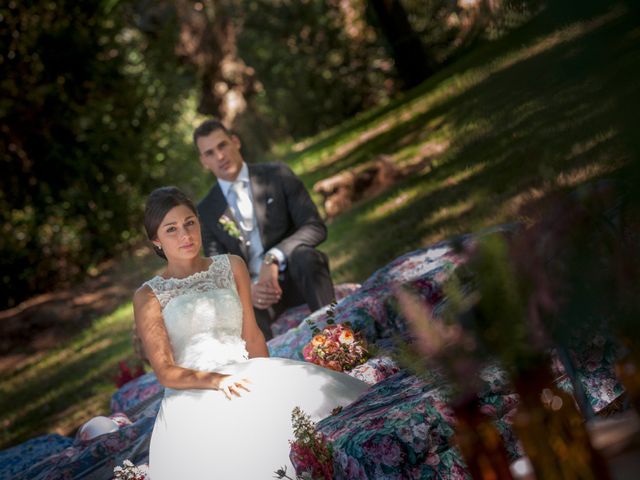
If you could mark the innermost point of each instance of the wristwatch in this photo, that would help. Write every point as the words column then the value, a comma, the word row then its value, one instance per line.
column 269, row 258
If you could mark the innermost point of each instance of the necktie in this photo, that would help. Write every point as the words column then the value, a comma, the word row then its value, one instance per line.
column 244, row 207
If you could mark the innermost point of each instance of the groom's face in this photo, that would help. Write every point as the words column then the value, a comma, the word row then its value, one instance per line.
column 220, row 153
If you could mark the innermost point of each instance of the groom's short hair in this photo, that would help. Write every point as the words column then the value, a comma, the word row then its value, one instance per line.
column 208, row 126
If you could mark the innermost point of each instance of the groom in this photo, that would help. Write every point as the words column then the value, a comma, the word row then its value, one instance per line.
column 263, row 213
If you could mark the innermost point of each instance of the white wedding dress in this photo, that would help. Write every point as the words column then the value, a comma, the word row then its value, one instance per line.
column 200, row 434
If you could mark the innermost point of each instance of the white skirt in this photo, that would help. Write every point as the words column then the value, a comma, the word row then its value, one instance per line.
column 200, row 434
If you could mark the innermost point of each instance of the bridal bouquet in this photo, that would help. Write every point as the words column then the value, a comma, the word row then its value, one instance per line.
column 336, row 346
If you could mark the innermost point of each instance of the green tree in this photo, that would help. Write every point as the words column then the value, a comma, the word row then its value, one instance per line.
column 318, row 62
column 86, row 114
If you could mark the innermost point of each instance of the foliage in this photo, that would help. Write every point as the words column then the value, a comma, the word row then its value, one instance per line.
column 448, row 28
column 556, row 282
column 93, row 91
column 580, row 264
column 319, row 62
column 440, row 344
column 498, row 315
column 87, row 117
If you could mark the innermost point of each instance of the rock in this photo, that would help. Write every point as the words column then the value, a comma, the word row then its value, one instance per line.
column 341, row 191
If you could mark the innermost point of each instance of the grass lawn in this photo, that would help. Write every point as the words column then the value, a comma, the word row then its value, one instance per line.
column 58, row 391
column 544, row 109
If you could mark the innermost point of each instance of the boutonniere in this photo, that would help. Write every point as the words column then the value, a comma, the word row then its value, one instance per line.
column 229, row 226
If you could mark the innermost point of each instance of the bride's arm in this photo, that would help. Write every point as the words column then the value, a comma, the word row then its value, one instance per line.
column 150, row 326
column 251, row 333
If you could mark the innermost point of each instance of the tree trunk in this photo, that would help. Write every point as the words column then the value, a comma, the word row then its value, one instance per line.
column 406, row 47
column 228, row 86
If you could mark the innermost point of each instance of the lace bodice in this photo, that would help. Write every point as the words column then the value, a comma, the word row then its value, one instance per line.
column 203, row 316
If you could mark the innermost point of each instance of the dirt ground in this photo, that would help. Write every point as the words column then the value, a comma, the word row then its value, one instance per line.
column 44, row 321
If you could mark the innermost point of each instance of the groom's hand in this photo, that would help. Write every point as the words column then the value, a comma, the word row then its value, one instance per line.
column 266, row 291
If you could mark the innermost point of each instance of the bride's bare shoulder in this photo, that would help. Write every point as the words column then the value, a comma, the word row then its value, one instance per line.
column 143, row 296
column 236, row 261
column 238, row 267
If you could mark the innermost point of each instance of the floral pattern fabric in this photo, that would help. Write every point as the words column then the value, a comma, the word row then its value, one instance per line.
column 133, row 393
column 97, row 458
column 375, row 370
column 15, row 460
column 592, row 356
column 372, row 310
column 294, row 316
column 401, row 428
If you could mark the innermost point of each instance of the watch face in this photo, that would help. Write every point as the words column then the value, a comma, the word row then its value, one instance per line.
column 269, row 258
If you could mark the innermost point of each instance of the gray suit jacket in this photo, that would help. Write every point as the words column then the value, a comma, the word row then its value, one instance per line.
column 286, row 215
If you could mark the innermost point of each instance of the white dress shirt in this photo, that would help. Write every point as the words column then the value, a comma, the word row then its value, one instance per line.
column 252, row 234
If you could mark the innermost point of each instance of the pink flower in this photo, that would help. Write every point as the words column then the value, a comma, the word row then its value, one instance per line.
column 125, row 375
column 308, row 353
column 333, row 365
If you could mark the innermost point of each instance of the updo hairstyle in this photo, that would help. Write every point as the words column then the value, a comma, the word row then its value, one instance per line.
column 159, row 203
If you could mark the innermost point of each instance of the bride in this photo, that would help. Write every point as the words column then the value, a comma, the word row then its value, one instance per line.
column 226, row 411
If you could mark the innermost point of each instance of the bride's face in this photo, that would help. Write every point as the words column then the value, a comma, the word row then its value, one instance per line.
column 179, row 233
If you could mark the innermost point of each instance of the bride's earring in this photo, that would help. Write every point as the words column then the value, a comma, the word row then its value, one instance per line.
column 158, row 246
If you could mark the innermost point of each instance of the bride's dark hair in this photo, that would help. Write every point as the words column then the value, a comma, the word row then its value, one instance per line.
column 159, row 202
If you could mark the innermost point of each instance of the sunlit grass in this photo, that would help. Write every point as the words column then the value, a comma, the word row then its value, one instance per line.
column 449, row 212
column 63, row 388
column 515, row 128
column 450, row 87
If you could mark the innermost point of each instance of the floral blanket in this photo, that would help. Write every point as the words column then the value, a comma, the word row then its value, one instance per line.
column 399, row 429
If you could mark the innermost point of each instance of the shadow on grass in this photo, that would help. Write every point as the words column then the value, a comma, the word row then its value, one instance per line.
column 547, row 122
column 44, row 322
column 332, row 145
column 37, row 401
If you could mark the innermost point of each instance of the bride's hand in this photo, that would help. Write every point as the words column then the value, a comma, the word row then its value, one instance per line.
column 232, row 384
